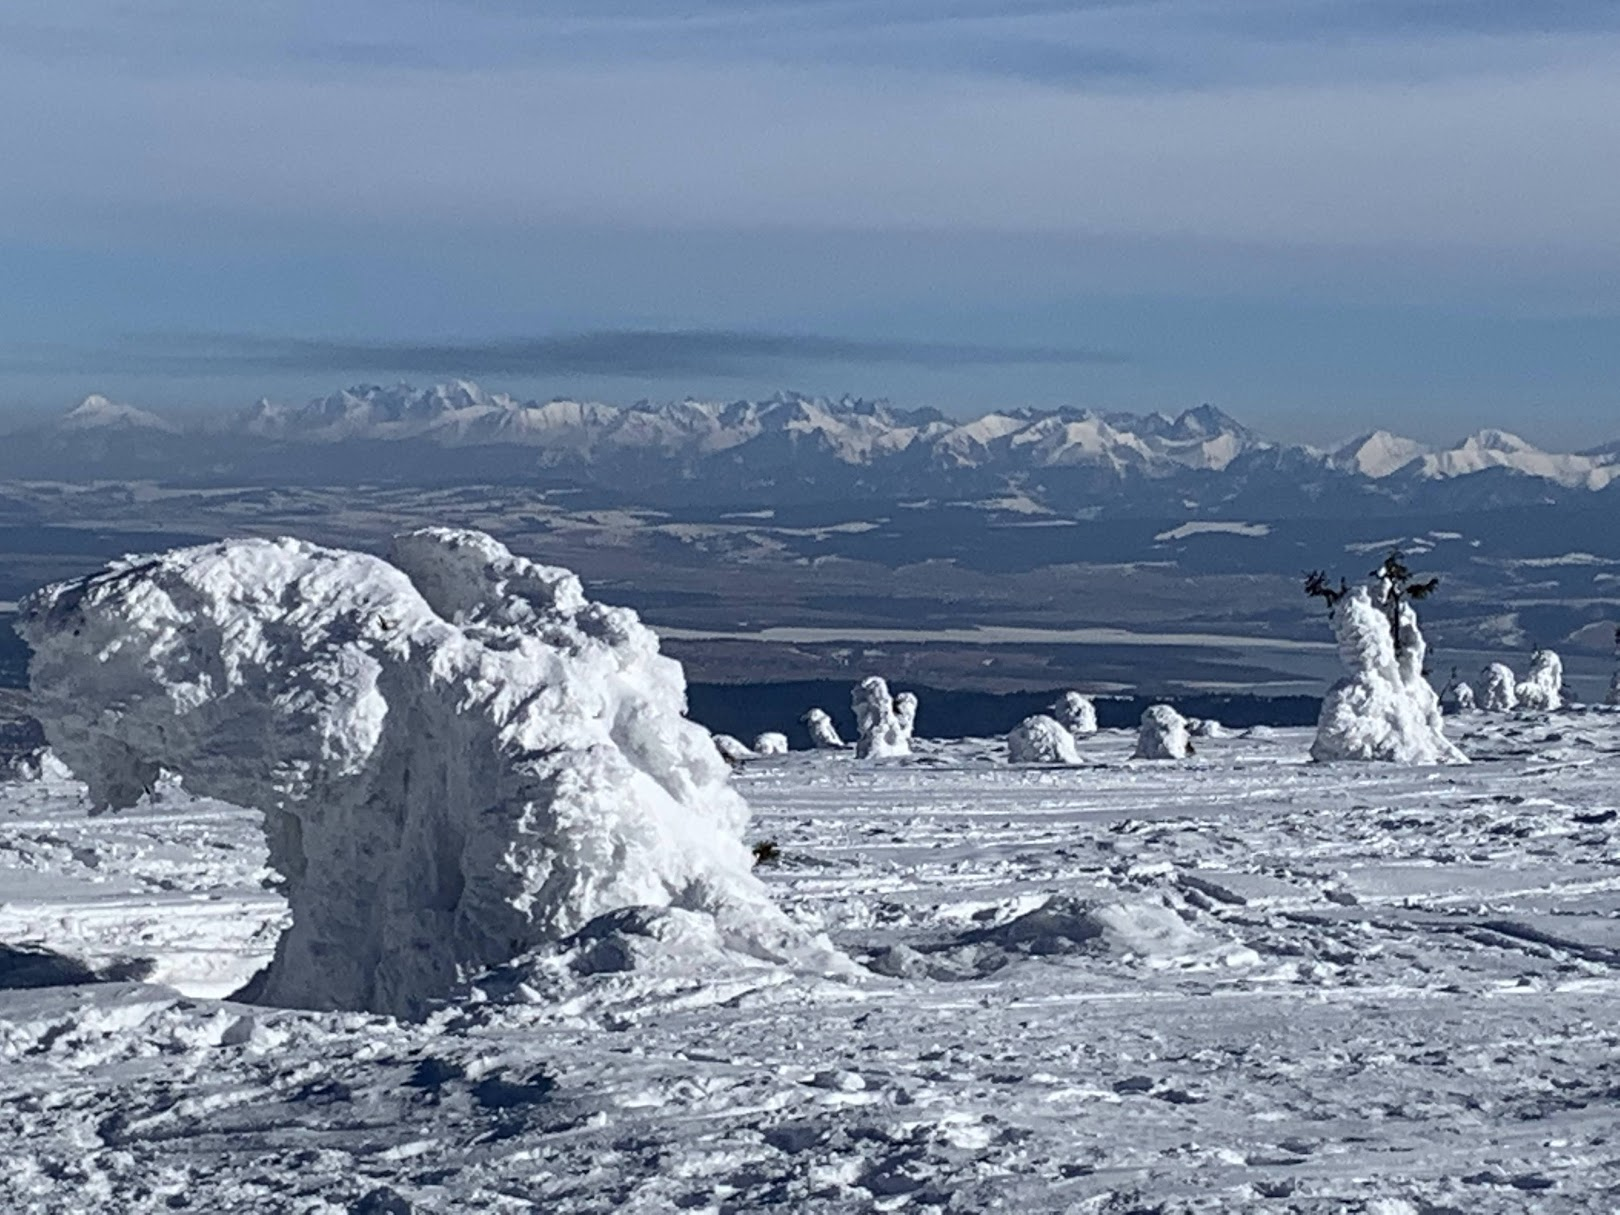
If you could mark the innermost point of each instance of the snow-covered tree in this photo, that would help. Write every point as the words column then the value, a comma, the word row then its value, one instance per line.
column 823, row 734
column 1457, row 696
column 1499, row 690
column 1075, row 713
column 459, row 759
column 905, row 712
column 1162, row 734
column 733, row 750
column 771, row 743
column 882, row 731
column 1542, row 690
column 1384, row 708
column 1041, row 740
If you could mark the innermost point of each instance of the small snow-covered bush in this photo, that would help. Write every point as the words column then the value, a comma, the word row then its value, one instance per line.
column 1384, row 709
column 823, row 734
column 1499, row 690
column 1457, row 697
column 459, row 758
column 1542, row 690
column 1041, row 740
column 771, row 743
column 1075, row 713
column 905, row 712
column 1162, row 734
column 883, row 733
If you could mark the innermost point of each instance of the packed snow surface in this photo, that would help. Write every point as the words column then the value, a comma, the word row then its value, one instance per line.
column 459, row 758
column 1162, row 734
column 1543, row 687
column 1384, row 709
column 1241, row 983
column 1041, row 740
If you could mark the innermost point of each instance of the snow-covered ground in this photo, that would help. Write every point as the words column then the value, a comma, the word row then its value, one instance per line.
column 1240, row 982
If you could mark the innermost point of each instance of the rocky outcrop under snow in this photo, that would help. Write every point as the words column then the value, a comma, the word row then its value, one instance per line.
column 1384, row 709
column 1162, row 734
column 884, row 731
column 459, row 758
column 1542, row 690
column 823, row 734
column 1041, row 740
column 1075, row 713
column 1499, row 690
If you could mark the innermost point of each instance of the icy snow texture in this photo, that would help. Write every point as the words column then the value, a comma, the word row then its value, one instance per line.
column 771, row 743
column 1075, row 713
column 1500, row 690
column 458, row 757
column 883, row 732
column 1041, row 740
column 1384, row 709
column 732, row 749
column 823, row 734
column 1542, row 689
column 1162, row 734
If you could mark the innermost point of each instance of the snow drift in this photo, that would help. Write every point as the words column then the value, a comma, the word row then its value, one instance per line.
column 1075, row 713
column 823, row 734
column 1162, row 734
column 1499, row 690
column 883, row 721
column 1384, row 709
column 1041, row 740
column 459, row 757
column 1543, row 687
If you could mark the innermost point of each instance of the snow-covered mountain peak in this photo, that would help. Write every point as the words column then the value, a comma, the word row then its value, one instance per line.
column 1378, row 454
column 97, row 412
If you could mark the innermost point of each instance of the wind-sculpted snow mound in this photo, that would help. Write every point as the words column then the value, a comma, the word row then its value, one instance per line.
column 771, row 743
column 459, row 758
column 1041, row 740
column 1075, row 712
column 1543, row 687
column 823, row 734
column 1384, row 709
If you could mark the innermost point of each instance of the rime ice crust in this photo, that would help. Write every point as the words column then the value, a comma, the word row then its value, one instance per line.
column 1499, row 692
column 1543, row 688
column 458, row 756
column 884, row 721
column 1075, row 713
column 1384, row 709
column 1041, row 740
column 1162, row 734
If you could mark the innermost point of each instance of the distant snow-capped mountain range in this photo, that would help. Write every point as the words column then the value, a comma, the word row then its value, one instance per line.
column 793, row 447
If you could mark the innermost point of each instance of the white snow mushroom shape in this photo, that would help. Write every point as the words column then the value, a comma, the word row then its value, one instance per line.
column 823, row 734
column 771, row 743
column 1075, row 713
column 1162, row 734
column 883, row 733
column 1384, row 709
column 1543, row 688
column 1041, row 740
column 1499, row 690
column 458, row 757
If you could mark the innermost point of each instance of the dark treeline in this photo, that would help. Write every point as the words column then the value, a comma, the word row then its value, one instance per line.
column 747, row 709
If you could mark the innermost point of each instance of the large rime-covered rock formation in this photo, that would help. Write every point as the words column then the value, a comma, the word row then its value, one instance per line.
column 1542, row 689
column 884, row 731
column 1075, row 713
column 1384, row 709
column 1499, row 691
column 1162, row 734
column 459, row 758
column 823, row 734
column 1041, row 740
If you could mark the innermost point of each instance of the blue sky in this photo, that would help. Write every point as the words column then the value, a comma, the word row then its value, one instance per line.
column 1321, row 215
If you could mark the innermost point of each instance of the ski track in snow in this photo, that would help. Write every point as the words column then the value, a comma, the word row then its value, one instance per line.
column 1397, row 992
